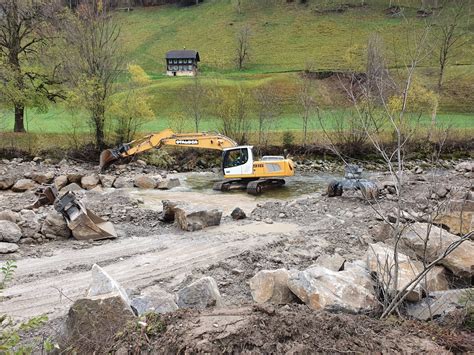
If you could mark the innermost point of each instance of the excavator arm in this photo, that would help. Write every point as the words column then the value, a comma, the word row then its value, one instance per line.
column 167, row 137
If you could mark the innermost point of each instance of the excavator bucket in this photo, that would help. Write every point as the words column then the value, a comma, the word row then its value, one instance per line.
column 107, row 157
column 82, row 222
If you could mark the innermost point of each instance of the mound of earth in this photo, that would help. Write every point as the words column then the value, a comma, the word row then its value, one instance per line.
column 295, row 329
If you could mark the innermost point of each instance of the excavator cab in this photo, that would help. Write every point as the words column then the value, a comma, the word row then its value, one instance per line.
column 237, row 161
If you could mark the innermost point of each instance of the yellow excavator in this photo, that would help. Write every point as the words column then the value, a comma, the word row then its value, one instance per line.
column 238, row 165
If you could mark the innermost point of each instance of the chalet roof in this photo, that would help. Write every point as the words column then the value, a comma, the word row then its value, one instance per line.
column 183, row 54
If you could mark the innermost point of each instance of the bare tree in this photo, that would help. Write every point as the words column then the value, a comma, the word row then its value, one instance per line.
column 306, row 100
column 378, row 80
column 268, row 109
column 450, row 35
column 242, row 50
column 93, row 62
column 24, row 35
column 194, row 101
column 238, row 6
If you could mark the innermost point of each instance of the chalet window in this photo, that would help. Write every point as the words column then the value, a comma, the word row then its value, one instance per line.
column 190, row 67
column 190, row 61
column 175, row 61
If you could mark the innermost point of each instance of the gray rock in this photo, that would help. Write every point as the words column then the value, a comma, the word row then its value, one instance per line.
column 71, row 187
column 9, row 232
column 200, row 294
column 107, row 181
column 465, row 166
column 41, row 178
column 9, row 216
column 154, row 300
column 55, row 224
column 268, row 221
column 442, row 192
column 438, row 304
column 6, row 248
column 167, row 184
column 29, row 223
column 144, row 182
column 6, row 182
column 103, row 284
column 23, row 185
column 90, row 181
column 320, row 288
column 333, row 262
column 238, row 213
column 123, row 182
column 271, row 286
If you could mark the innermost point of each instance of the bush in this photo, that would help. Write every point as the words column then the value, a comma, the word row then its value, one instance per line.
column 288, row 139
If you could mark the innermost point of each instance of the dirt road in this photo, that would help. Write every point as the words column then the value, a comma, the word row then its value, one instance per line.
column 48, row 285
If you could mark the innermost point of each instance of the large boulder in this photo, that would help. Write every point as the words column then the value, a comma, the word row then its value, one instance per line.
column 9, row 216
column 23, row 185
column 271, row 286
column 6, row 248
column 381, row 262
column 459, row 223
column 438, row 304
column 200, row 294
column 154, row 299
column 9, row 232
column 60, row 181
column 6, row 182
column 123, row 182
column 107, row 181
column 88, row 182
column 144, row 182
column 29, row 223
column 459, row 261
column 43, row 178
column 465, row 166
column 92, row 324
column 103, row 284
column 167, row 184
column 55, row 225
column 320, row 288
column 191, row 217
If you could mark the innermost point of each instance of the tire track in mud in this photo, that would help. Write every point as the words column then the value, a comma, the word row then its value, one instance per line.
column 49, row 285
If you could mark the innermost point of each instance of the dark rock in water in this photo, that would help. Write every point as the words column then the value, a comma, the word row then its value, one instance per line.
column 190, row 217
column 238, row 213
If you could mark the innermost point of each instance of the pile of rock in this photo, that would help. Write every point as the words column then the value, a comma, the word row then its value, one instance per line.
column 334, row 284
column 27, row 226
column 93, row 321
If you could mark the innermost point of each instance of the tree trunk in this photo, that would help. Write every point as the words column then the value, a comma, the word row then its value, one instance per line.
column 19, row 118
column 440, row 77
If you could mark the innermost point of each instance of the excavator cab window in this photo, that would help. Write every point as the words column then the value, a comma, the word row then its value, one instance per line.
column 235, row 157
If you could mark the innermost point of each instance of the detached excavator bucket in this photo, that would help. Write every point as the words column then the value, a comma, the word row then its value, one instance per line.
column 82, row 222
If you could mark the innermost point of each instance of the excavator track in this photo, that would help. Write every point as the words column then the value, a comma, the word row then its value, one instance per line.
column 257, row 187
column 227, row 185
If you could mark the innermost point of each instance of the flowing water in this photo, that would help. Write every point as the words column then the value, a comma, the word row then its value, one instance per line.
column 196, row 188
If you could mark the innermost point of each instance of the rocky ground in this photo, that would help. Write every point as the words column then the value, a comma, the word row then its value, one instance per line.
column 233, row 265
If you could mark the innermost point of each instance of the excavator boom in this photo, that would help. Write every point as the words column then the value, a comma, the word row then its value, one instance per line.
column 203, row 140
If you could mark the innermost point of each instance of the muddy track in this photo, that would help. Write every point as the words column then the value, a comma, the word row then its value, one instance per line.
column 49, row 285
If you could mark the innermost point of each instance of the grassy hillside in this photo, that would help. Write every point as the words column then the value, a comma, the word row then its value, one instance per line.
column 285, row 36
